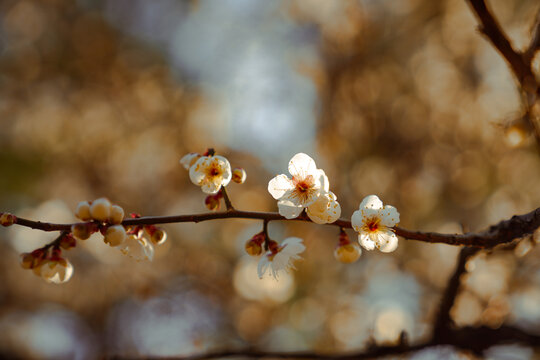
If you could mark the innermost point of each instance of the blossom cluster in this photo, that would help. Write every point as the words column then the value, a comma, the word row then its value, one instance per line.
column 48, row 263
column 308, row 190
column 107, row 218
column 305, row 194
column 99, row 216
column 212, row 173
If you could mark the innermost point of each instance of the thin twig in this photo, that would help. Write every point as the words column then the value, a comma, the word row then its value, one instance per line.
column 227, row 200
column 503, row 232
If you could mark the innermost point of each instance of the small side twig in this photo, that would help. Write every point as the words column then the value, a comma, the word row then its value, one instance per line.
column 227, row 200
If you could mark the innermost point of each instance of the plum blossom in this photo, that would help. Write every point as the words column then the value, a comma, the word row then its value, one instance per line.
column 303, row 189
column 374, row 223
column 325, row 210
column 137, row 247
column 56, row 270
column 211, row 173
column 281, row 257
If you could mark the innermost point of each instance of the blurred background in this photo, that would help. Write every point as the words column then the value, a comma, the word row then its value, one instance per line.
column 403, row 99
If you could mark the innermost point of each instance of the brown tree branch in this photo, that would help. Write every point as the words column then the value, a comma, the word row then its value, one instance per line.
column 443, row 321
column 492, row 30
column 534, row 45
column 501, row 233
column 520, row 63
column 469, row 338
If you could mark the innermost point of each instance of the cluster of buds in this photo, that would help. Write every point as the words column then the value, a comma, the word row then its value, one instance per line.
column 212, row 173
column 7, row 219
column 48, row 263
column 101, row 215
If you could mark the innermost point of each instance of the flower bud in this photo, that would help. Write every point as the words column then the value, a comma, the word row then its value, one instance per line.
column 117, row 215
column 254, row 245
column 68, row 242
column 213, row 202
column 7, row 219
column 81, row 231
column 239, row 175
column 27, row 261
column 253, row 249
column 347, row 253
column 56, row 271
column 83, row 211
column 100, row 209
column 115, row 235
column 158, row 237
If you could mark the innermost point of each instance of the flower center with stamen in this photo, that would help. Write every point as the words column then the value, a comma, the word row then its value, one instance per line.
column 303, row 185
column 372, row 224
column 214, row 171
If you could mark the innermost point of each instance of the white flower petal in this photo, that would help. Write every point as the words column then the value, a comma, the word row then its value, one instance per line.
column 357, row 220
column 197, row 172
column 225, row 167
column 389, row 216
column 57, row 272
column 138, row 248
column 278, row 186
column 301, row 165
column 289, row 210
column 391, row 242
column 293, row 246
column 371, row 202
column 365, row 241
column 325, row 210
column 263, row 265
column 210, row 187
column 325, row 184
column 188, row 159
column 370, row 213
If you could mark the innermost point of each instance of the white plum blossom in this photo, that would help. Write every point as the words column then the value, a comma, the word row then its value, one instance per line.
column 211, row 173
column 374, row 223
column 56, row 271
column 325, row 210
column 281, row 258
column 303, row 189
column 137, row 247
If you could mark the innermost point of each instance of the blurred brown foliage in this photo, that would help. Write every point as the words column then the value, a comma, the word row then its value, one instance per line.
column 413, row 105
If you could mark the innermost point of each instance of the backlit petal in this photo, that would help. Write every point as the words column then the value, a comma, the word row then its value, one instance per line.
column 288, row 209
column 301, row 165
column 365, row 241
column 389, row 216
column 390, row 242
column 371, row 202
column 279, row 185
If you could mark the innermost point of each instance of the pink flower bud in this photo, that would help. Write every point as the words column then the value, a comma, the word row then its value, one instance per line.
column 7, row 219
column 239, row 175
